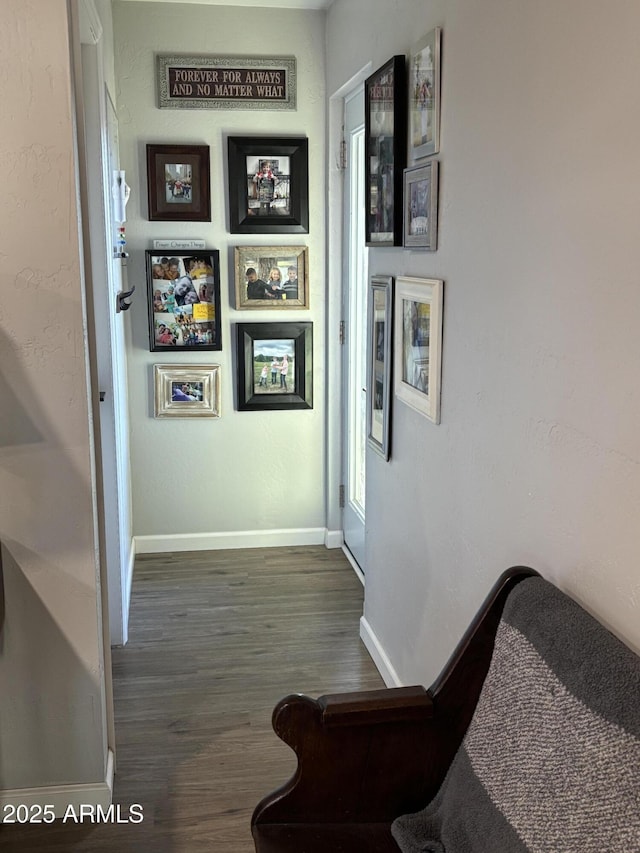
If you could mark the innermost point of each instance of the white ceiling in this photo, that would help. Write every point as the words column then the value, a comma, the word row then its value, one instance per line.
column 263, row 4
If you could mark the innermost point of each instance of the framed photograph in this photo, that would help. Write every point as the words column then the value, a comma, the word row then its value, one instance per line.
column 187, row 392
column 274, row 277
column 183, row 296
column 379, row 327
column 424, row 96
column 275, row 366
column 418, row 344
column 226, row 82
column 268, row 185
column 385, row 152
column 421, row 206
column 178, row 183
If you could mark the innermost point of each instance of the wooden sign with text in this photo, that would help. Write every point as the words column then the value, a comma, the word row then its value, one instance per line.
column 226, row 82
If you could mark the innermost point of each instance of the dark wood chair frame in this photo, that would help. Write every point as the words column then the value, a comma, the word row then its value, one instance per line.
column 366, row 757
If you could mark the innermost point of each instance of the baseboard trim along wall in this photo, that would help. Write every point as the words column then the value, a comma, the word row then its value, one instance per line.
column 333, row 538
column 60, row 797
column 356, row 568
column 378, row 655
column 232, row 539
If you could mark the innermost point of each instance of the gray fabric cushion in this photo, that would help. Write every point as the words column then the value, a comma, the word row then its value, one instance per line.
column 551, row 760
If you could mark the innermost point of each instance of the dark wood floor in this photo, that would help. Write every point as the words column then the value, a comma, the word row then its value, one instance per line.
column 216, row 638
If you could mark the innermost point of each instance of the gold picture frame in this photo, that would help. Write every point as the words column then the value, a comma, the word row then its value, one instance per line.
column 271, row 277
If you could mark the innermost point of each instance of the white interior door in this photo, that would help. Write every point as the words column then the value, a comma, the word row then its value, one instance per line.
column 355, row 337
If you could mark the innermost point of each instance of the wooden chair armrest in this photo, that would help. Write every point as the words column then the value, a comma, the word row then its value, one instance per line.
column 365, row 758
column 374, row 707
column 362, row 757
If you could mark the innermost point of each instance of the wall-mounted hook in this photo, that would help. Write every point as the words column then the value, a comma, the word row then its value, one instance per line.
column 123, row 299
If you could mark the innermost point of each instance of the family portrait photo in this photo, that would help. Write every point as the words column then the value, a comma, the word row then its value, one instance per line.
column 178, row 177
column 273, row 366
column 271, row 277
column 184, row 300
column 178, row 183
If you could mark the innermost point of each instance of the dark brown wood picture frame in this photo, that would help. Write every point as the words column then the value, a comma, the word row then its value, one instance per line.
column 385, row 152
column 268, row 184
column 178, row 183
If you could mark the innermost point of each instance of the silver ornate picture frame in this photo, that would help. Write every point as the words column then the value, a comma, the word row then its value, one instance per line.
column 226, row 82
column 421, row 207
column 379, row 363
column 192, row 391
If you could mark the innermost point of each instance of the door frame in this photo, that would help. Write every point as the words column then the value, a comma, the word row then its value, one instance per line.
column 335, row 224
column 354, row 311
column 83, row 73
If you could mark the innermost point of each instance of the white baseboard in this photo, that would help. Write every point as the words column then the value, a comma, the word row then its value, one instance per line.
column 333, row 538
column 356, row 568
column 63, row 796
column 378, row 655
column 233, row 539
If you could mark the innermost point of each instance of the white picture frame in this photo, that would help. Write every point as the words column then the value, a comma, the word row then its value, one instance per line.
column 418, row 344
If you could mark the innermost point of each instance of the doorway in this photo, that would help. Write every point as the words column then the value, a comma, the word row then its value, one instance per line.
column 354, row 310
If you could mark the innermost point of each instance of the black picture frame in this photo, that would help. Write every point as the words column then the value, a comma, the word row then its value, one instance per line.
column 379, row 363
column 385, row 152
column 183, row 300
column 268, row 184
column 259, row 346
column 178, row 183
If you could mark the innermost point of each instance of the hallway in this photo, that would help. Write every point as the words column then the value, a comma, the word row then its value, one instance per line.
column 217, row 637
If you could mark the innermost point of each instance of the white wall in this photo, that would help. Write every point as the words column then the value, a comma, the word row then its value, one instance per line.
column 537, row 458
column 248, row 471
column 105, row 12
column 52, row 705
